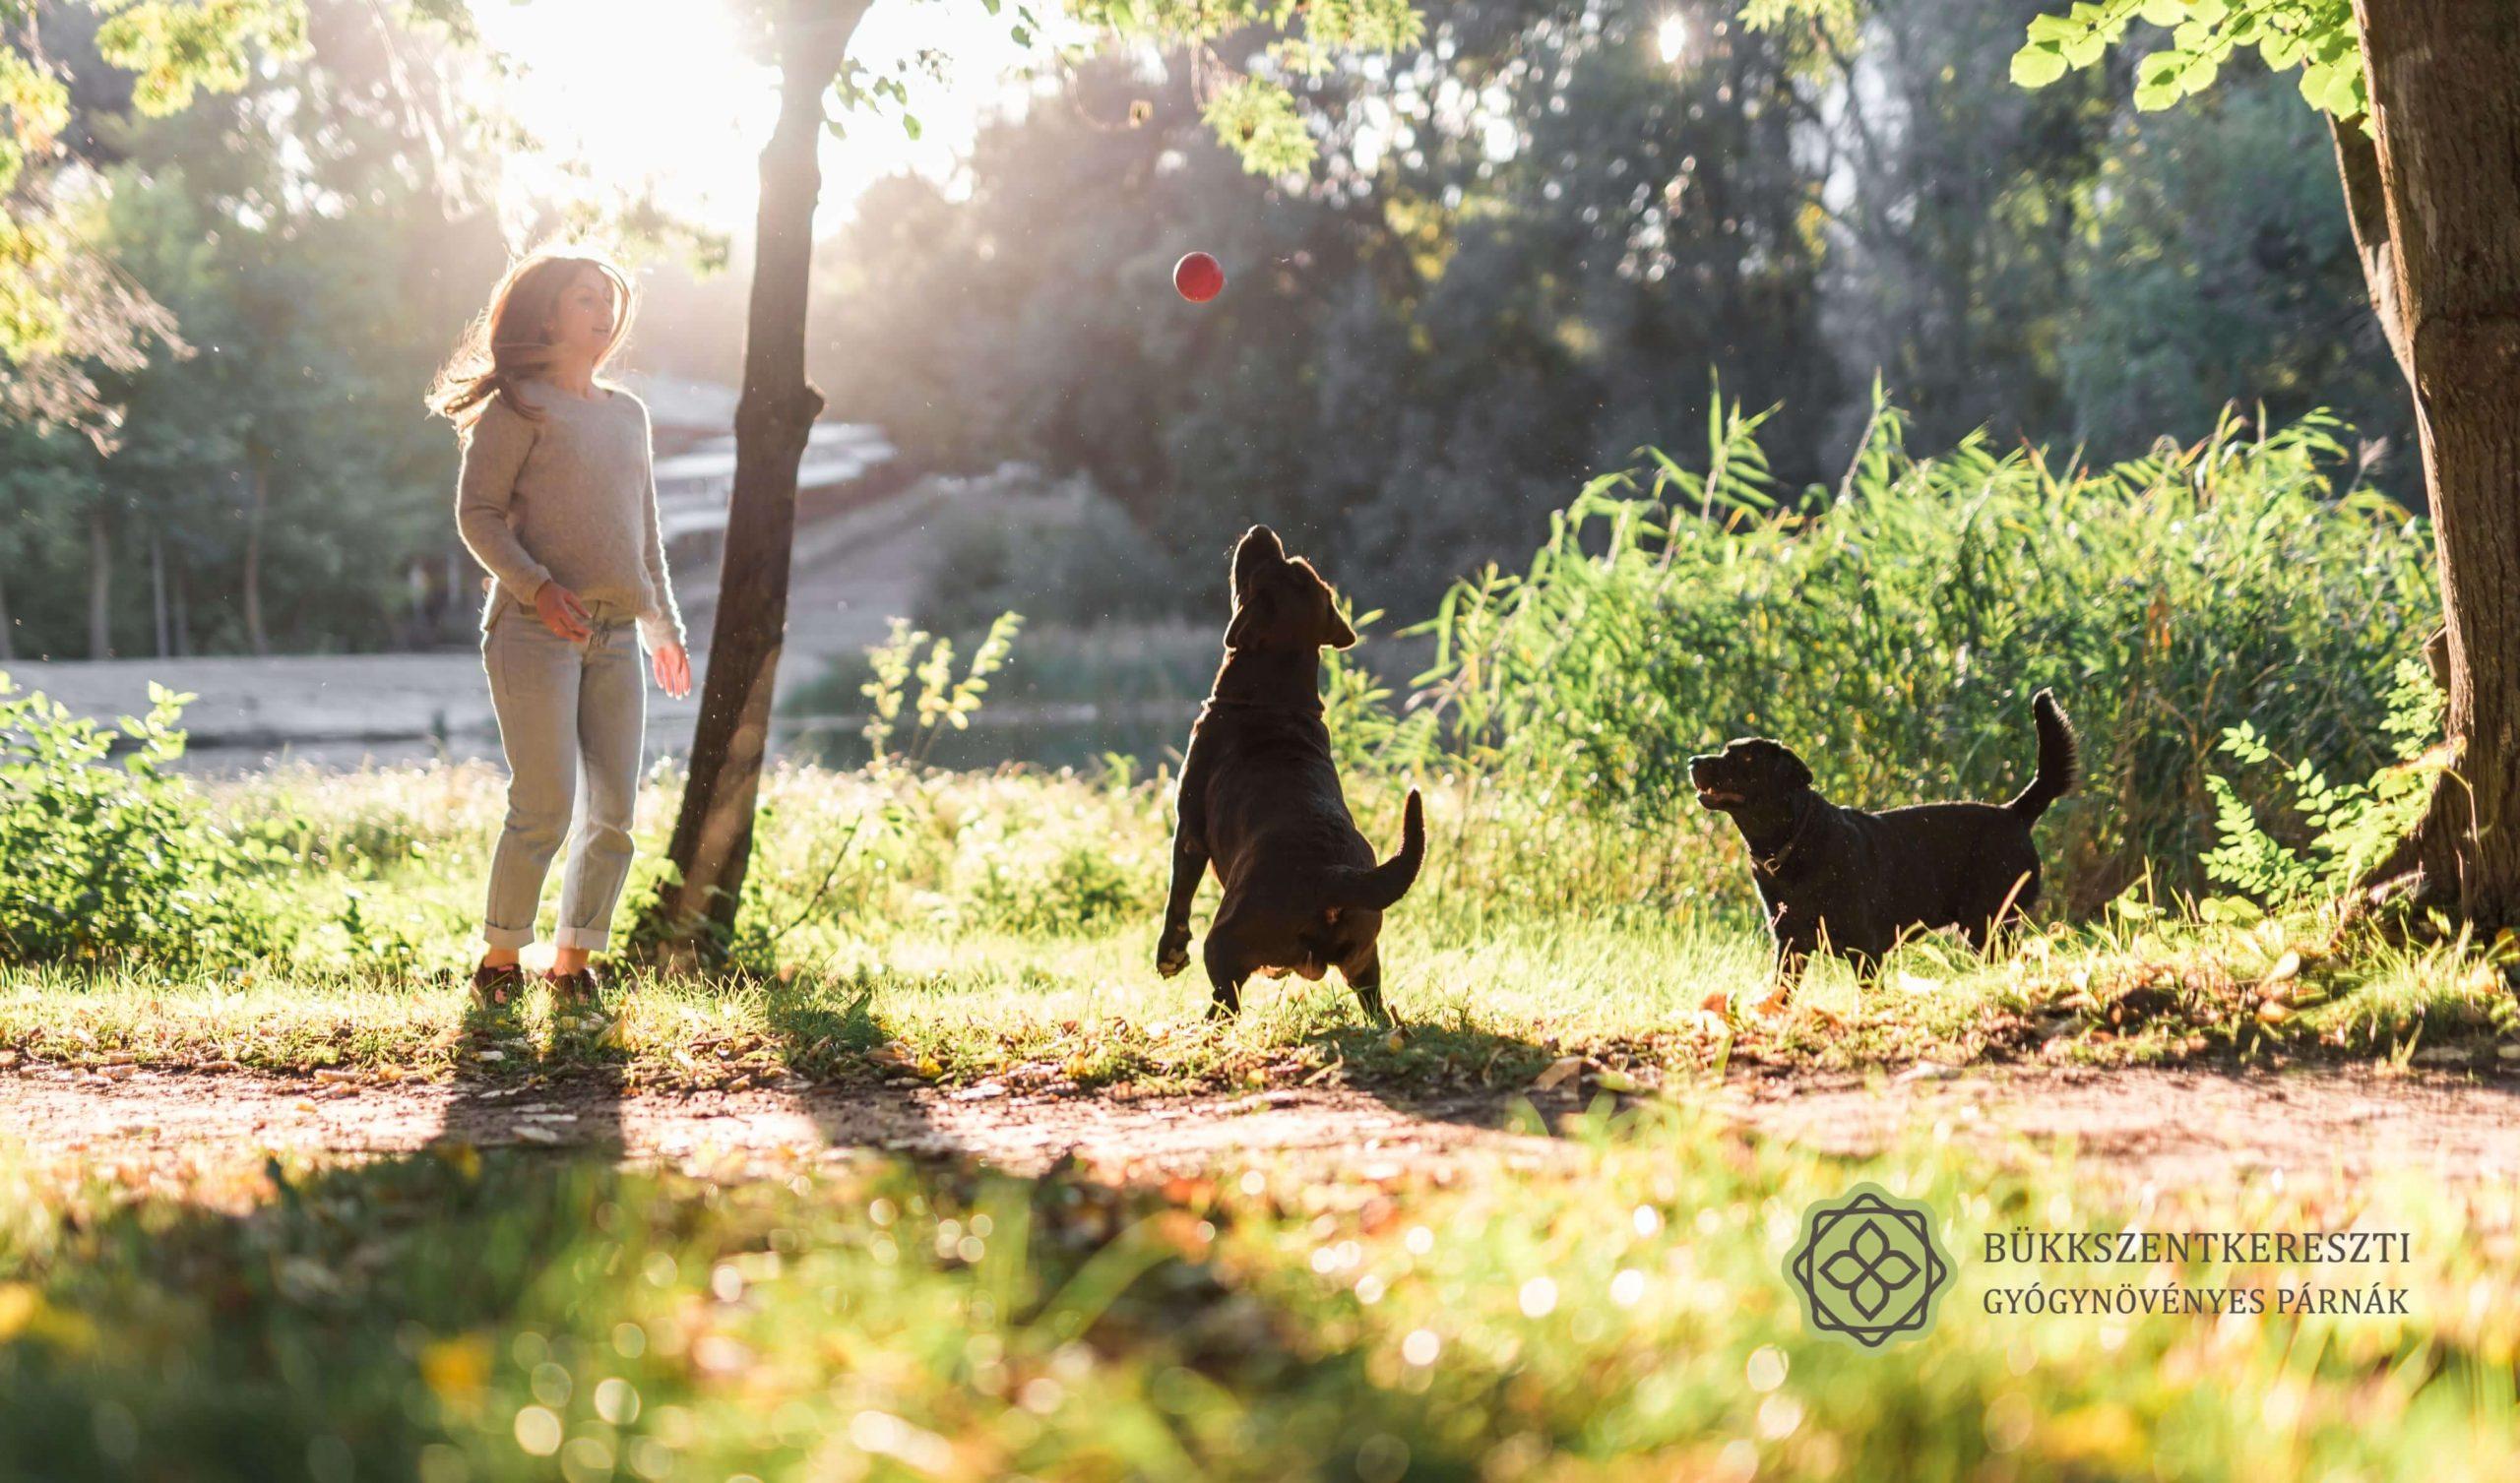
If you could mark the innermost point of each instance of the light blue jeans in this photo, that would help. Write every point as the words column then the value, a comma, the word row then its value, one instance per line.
column 573, row 716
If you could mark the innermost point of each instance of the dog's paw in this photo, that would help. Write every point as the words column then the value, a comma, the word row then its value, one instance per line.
column 1171, row 955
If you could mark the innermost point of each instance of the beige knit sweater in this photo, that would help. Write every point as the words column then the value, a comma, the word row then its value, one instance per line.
column 570, row 499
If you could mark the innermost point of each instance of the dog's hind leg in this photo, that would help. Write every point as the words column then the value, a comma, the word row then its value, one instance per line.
column 1225, row 975
column 2010, row 916
column 1363, row 973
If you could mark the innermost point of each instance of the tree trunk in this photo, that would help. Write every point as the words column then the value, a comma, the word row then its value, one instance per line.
column 157, row 591
column 2445, row 115
column 8, row 649
column 712, row 835
column 100, row 579
column 260, row 475
column 183, row 611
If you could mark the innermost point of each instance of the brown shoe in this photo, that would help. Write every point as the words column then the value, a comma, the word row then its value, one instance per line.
column 577, row 989
column 495, row 986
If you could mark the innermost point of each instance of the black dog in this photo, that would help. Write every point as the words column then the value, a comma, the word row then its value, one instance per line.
column 1844, row 881
column 1259, row 796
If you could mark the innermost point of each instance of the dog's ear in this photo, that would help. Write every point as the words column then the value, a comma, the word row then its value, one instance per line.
column 1332, row 631
column 1250, row 617
column 1792, row 771
column 1339, row 634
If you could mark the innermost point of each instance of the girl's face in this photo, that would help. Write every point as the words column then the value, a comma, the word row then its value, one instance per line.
column 583, row 320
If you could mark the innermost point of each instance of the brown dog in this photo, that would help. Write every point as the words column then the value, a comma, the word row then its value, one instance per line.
column 1844, row 881
column 1260, row 797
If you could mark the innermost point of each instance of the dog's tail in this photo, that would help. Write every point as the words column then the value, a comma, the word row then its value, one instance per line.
column 2059, row 760
column 1377, row 888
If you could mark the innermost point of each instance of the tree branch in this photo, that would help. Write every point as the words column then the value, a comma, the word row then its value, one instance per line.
column 2358, row 165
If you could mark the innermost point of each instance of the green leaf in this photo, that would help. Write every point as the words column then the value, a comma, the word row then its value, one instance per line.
column 2163, row 12
column 2037, row 65
column 2343, row 96
column 910, row 125
column 2161, row 69
column 2054, row 29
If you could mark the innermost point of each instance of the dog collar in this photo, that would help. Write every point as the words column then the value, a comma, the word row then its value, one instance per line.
column 1216, row 703
column 1771, row 864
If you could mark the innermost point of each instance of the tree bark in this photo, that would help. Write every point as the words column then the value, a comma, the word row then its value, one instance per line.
column 100, row 578
column 2445, row 113
column 711, row 847
column 260, row 474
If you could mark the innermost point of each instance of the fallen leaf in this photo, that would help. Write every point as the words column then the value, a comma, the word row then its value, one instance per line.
column 1557, row 1072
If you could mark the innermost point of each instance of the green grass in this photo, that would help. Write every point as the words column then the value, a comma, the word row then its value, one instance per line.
column 962, row 926
column 482, row 1314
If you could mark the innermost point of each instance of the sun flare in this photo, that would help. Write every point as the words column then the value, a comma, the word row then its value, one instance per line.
column 1672, row 37
column 660, row 96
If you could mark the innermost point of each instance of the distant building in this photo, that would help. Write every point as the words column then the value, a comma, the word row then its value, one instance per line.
column 847, row 465
column 693, row 424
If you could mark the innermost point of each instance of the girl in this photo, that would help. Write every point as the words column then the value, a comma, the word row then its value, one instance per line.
column 557, row 500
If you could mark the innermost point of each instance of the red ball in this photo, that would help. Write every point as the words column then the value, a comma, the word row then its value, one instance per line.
column 1197, row 277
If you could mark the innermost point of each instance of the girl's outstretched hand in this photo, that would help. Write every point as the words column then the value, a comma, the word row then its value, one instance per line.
column 674, row 671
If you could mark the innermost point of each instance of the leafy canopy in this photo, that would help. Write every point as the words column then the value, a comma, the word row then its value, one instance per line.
column 2315, row 36
column 60, row 314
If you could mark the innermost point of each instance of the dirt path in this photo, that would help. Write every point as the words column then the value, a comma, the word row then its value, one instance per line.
column 2171, row 1128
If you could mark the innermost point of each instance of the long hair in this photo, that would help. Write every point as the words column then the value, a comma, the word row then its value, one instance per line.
column 505, row 346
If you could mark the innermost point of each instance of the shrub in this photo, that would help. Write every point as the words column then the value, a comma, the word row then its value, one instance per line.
column 1893, row 630
column 2331, row 833
column 104, row 860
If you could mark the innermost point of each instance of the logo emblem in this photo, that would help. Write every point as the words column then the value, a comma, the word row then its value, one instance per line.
column 1869, row 1268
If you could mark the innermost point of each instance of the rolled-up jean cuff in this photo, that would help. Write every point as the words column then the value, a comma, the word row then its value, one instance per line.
column 508, row 936
column 592, row 939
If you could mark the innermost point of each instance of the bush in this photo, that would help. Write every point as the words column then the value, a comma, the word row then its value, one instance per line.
column 1062, row 553
column 2328, row 833
column 106, row 861
column 1893, row 630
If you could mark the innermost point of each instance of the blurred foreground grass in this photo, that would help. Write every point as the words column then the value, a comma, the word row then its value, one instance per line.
column 471, row 1314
